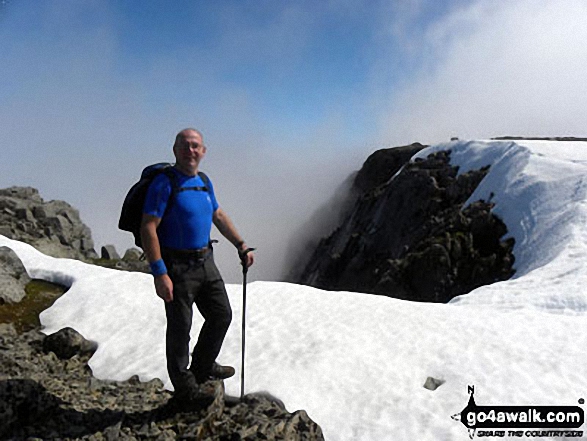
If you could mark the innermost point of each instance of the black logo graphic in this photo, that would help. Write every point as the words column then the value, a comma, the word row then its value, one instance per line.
column 513, row 418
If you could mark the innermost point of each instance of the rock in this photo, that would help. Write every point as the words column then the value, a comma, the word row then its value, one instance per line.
column 24, row 401
column 109, row 252
column 44, row 397
column 432, row 383
column 67, row 342
column 7, row 330
column 53, row 227
column 132, row 255
column 408, row 236
column 13, row 277
column 383, row 164
column 21, row 193
column 133, row 260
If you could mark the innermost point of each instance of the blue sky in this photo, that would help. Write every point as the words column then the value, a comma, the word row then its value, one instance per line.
column 292, row 96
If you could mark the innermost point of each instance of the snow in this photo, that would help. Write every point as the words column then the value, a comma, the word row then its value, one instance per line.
column 357, row 363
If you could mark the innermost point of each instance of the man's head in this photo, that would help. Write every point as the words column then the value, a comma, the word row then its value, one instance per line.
column 189, row 149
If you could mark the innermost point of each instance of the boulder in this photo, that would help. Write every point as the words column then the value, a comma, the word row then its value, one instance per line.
column 13, row 277
column 132, row 255
column 109, row 252
column 67, row 342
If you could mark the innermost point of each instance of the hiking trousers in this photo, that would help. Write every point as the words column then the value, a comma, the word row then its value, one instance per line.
column 195, row 280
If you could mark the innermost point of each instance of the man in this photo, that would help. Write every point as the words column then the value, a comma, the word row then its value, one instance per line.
column 178, row 249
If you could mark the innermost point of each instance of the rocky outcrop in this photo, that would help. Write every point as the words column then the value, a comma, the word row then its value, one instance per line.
column 409, row 237
column 53, row 227
column 45, row 397
column 383, row 164
column 13, row 277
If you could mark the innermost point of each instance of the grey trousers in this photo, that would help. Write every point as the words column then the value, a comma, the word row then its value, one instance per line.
column 194, row 281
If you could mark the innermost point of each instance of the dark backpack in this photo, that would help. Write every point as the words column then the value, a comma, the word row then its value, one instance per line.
column 132, row 207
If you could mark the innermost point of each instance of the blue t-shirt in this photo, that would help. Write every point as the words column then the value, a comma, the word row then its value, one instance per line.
column 187, row 223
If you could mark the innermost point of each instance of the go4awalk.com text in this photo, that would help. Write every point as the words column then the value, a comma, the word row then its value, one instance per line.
column 521, row 421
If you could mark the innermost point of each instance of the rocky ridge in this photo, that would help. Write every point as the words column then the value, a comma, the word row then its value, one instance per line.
column 43, row 396
column 408, row 236
column 53, row 227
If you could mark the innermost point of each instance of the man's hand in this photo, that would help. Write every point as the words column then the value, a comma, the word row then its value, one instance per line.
column 164, row 287
column 247, row 258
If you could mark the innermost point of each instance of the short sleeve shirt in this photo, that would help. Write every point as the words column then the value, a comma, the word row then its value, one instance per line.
column 188, row 221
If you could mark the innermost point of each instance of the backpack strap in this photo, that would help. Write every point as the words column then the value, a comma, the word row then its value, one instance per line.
column 205, row 188
column 174, row 187
column 206, row 180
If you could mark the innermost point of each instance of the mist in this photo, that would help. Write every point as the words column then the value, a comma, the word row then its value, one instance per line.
column 290, row 101
column 491, row 69
column 80, row 129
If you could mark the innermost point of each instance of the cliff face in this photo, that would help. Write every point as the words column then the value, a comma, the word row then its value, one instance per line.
column 407, row 235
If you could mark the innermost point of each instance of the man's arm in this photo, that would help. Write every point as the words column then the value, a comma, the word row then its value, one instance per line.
column 152, row 249
column 228, row 230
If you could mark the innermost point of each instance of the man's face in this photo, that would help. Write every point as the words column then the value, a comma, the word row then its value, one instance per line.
column 190, row 150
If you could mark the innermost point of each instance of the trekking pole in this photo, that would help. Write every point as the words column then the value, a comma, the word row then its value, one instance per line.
column 245, row 270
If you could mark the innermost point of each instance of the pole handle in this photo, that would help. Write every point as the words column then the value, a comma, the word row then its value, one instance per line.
column 243, row 255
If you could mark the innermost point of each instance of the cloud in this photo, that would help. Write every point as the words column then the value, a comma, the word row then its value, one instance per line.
column 495, row 68
column 279, row 91
column 81, row 118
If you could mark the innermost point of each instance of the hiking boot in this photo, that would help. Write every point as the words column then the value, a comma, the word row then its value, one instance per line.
column 219, row 372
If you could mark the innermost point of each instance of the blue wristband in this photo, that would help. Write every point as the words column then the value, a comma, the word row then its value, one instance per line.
column 158, row 268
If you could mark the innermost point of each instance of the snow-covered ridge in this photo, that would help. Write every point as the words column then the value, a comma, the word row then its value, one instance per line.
column 356, row 362
column 540, row 192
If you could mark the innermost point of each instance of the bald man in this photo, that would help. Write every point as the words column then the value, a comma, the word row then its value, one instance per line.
column 175, row 233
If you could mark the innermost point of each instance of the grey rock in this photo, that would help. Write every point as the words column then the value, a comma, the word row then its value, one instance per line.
column 13, row 277
column 25, row 214
column 44, row 211
column 53, row 227
column 67, row 342
column 109, row 252
column 133, row 260
column 44, row 397
column 7, row 330
column 22, row 193
column 132, row 255
column 432, row 383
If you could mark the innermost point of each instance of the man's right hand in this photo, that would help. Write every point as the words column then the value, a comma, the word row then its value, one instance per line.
column 164, row 287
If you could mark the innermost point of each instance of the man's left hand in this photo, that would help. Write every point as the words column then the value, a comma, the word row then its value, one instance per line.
column 247, row 258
